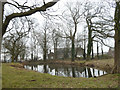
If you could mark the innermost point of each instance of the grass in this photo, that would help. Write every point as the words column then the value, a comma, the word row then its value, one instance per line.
column 13, row 76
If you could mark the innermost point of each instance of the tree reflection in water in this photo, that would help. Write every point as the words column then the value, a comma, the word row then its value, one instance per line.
column 73, row 72
column 67, row 71
column 89, row 72
column 45, row 69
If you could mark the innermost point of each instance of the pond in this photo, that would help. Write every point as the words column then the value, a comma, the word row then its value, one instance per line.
column 66, row 70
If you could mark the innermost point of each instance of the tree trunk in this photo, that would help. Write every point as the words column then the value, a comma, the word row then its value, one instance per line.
column 44, row 55
column 89, row 47
column 32, row 56
column 92, row 51
column 55, row 49
column 1, row 23
column 116, row 68
column 97, row 51
column 0, row 28
column 89, row 44
column 45, row 52
column 102, row 51
column 16, row 58
column 84, row 53
column 12, row 58
column 55, row 53
column 45, row 47
column 73, row 50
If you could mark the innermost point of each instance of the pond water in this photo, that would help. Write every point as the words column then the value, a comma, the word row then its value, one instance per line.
column 67, row 70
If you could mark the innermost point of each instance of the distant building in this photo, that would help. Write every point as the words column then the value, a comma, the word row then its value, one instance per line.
column 51, row 55
column 65, row 53
column 79, row 52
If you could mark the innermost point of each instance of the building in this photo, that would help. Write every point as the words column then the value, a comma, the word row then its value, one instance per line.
column 51, row 55
column 65, row 53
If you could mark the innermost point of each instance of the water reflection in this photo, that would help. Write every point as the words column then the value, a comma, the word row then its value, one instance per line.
column 89, row 72
column 67, row 71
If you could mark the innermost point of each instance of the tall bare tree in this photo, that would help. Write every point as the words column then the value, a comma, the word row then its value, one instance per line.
column 43, row 38
column 55, row 39
column 14, row 45
column 73, row 18
column 91, row 13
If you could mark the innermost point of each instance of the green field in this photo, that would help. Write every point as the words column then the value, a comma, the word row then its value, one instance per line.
column 14, row 76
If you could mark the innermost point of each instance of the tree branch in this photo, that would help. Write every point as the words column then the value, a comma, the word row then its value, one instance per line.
column 14, row 15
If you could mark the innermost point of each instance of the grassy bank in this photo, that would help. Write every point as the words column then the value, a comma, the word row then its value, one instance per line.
column 14, row 76
column 106, row 64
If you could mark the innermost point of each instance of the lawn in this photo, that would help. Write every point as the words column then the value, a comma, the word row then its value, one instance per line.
column 14, row 76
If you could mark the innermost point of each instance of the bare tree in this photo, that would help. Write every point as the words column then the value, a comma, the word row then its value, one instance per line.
column 13, row 39
column 91, row 12
column 14, row 45
column 72, row 22
column 97, row 50
column 43, row 39
column 84, row 43
column 55, row 39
